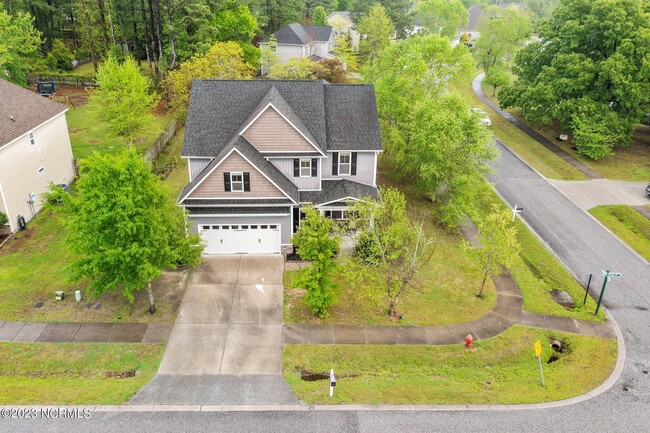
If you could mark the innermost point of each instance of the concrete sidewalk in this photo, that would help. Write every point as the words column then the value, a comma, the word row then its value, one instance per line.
column 577, row 164
column 76, row 332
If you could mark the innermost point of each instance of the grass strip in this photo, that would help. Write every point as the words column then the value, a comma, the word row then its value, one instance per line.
column 626, row 223
column 501, row 370
column 75, row 373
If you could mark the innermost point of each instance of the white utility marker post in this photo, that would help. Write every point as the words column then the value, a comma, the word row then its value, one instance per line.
column 332, row 382
column 515, row 211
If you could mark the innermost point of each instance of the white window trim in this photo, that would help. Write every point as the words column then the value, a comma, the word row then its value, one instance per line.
column 348, row 164
column 232, row 182
column 301, row 167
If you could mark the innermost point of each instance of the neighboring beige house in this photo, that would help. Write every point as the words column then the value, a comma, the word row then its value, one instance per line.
column 342, row 23
column 34, row 151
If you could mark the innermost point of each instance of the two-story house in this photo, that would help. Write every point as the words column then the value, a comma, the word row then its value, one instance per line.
column 34, row 151
column 303, row 41
column 259, row 150
column 343, row 24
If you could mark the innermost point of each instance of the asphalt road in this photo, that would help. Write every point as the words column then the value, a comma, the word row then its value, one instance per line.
column 577, row 239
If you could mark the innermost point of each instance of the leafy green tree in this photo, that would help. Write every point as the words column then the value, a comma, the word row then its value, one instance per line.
column 124, row 96
column 443, row 17
column 377, row 31
column 319, row 16
column 429, row 130
column 314, row 242
column 499, row 245
column 391, row 250
column 503, row 32
column 3, row 219
column 225, row 60
column 591, row 73
column 398, row 11
column 498, row 76
column 239, row 25
column 297, row 68
column 124, row 227
column 343, row 50
column 19, row 45
column 269, row 55
column 60, row 57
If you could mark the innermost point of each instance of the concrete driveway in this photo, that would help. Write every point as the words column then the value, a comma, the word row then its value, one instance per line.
column 226, row 345
column 230, row 320
column 596, row 192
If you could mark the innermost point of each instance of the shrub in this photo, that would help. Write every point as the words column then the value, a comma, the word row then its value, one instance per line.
column 3, row 219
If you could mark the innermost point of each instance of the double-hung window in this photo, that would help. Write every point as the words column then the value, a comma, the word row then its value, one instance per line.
column 305, row 168
column 237, row 182
column 345, row 162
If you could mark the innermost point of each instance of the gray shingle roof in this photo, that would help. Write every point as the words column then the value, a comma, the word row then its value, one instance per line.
column 352, row 119
column 249, row 152
column 333, row 116
column 28, row 109
column 299, row 34
column 335, row 190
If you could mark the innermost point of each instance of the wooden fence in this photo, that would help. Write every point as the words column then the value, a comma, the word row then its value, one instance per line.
column 161, row 142
column 62, row 79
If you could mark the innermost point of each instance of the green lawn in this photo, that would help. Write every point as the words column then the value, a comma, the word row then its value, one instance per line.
column 33, row 265
column 501, row 370
column 626, row 223
column 630, row 163
column 75, row 373
column 90, row 133
column 446, row 289
column 538, row 272
column 87, row 69
column 538, row 156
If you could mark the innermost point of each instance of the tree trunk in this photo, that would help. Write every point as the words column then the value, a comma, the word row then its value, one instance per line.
column 156, row 4
column 494, row 91
column 153, row 34
column 110, row 20
column 146, row 33
column 480, row 293
column 152, row 304
column 91, row 43
column 8, row 7
column 102, row 22
column 170, row 29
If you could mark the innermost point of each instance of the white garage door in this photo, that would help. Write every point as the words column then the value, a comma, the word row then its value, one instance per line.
column 241, row 238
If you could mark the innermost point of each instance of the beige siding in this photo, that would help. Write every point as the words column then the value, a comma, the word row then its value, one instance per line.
column 213, row 186
column 271, row 133
column 20, row 161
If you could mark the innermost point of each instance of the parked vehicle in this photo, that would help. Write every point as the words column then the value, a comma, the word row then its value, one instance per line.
column 482, row 116
column 647, row 190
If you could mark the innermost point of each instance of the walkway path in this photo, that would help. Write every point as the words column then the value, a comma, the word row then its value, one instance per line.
column 77, row 332
column 506, row 312
column 579, row 165
column 226, row 345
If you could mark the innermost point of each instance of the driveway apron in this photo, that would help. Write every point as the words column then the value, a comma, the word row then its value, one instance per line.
column 226, row 345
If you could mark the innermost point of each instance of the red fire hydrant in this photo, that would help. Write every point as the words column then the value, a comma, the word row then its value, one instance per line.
column 468, row 340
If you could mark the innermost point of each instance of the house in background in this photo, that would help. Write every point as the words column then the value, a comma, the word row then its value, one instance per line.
column 260, row 150
column 343, row 24
column 34, row 151
column 302, row 41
